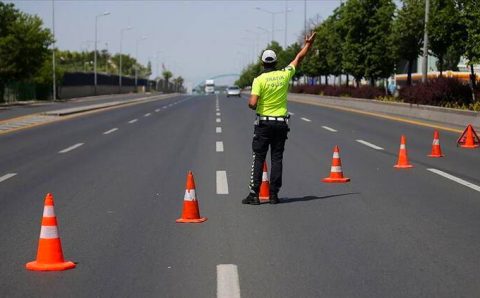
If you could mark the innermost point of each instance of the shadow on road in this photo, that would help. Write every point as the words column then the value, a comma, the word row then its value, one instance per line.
column 311, row 198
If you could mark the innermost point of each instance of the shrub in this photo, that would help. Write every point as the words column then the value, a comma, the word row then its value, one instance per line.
column 438, row 92
column 367, row 92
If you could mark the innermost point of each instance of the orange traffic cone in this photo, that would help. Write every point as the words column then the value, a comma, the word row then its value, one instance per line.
column 469, row 138
column 336, row 173
column 264, row 194
column 191, row 212
column 403, row 162
column 436, row 150
column 49, row 254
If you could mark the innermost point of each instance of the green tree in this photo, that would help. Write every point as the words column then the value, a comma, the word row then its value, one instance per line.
column 470, row 12
column 315, row 63
column 377, row 50
column 23, row 44
column 445, row 29
column 167, row 74
column 335, row 41
column 354, row 19
column 149, row 69
column 178, row 81
column 406, row 37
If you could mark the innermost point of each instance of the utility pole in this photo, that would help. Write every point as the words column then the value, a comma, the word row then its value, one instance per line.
column 95, row 55
column 287, row 10
column 120, row 68
column 54, row 91
column 305, row 17
column 425, row 44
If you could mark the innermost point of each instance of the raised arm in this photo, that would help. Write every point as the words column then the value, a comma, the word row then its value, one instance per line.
column 303, row 52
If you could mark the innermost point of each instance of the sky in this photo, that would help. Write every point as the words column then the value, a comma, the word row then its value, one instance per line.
column 194, row 39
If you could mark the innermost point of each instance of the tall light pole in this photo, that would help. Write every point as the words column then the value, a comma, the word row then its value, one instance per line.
column 273, row 13
column 120, row 66
column 257, row 40
column 136, row 59
column 425, row 44
column 305, row 17
column 264, row 30
column 287, row 10
column 54, row 91
column 95, row 55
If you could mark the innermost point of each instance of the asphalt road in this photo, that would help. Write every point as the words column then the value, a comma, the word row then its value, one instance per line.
column 387, row 233
column 12, row 111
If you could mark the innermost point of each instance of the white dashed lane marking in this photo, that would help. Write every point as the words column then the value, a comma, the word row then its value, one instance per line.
column 456, row 179
column 218, row 120
column 70, row 148
column 228, row 283
column 290, row 113
column 306, row 119
column 219, row 146
column 218, row 130
column 110, row 131
column 329, row 129
column 222, row 183
column 369, row 145
column 7, row 176
column 147, row 114
column 133, row 121
column 157, row 110
column 218, row 114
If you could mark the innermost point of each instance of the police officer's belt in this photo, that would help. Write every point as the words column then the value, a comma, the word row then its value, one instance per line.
column 270, row 118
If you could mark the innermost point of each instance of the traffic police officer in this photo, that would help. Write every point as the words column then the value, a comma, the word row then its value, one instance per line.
column 269, row 99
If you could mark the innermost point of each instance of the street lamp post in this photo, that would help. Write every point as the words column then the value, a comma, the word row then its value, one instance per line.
column 120, row 66
column 157, row 68
column 95, row 55
column 287, row 10
column 264, row 30
column 136, row 59
column 273, row 13
column 425, row 44
column 54, row 94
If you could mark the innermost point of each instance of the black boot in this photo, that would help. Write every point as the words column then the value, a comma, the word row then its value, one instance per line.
column 251, row 199
column 274, row 198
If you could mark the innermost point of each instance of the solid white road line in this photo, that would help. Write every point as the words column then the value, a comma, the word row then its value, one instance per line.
column 7, row 176
column 228, row 283
column 329, row 129
column 219, row 146
column 70, row 148
column 218, row 130
column 219, row 120
column 218, row 114
column 147, row 114
column 369, row 145
column 133, row 121
column 222, row 183
column 110, row 131
column 306, row 119
column 456, row 179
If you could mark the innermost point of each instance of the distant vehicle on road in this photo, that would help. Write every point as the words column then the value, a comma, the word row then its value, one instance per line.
column 233, row 91
column 209, row 86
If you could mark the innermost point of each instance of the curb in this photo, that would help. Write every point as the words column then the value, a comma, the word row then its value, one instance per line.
column 70, row 111
column 444, row 116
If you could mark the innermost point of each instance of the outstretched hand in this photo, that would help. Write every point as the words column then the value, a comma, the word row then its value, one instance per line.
column 310, row 38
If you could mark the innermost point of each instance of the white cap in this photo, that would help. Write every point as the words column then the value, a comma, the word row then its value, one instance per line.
column 269, row 56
